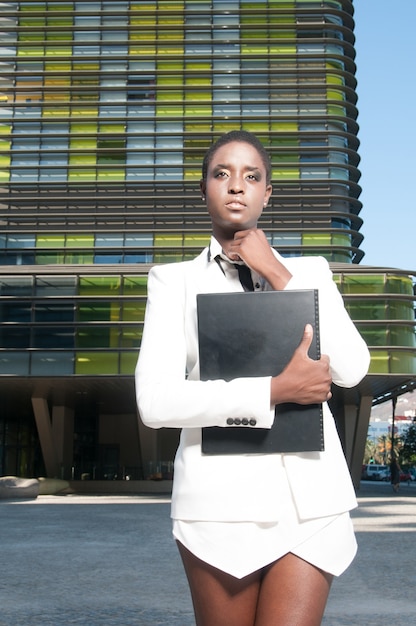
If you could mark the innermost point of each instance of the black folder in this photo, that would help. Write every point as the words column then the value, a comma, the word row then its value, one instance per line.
column 255, row 334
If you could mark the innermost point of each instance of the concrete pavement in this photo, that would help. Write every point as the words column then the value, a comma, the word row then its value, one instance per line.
column 111, row 561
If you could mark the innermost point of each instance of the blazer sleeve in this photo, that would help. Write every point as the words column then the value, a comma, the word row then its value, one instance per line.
column 340, row 340
column 165, row 396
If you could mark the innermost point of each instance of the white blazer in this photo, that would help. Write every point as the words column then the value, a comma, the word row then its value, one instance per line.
column 170, row 394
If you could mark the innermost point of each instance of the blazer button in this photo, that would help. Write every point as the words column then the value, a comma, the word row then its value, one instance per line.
column 253, row 422
column 244, row 421
column 237, row 421
column 230, row 421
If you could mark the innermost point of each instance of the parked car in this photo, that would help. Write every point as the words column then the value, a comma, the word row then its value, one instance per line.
column 373, row 471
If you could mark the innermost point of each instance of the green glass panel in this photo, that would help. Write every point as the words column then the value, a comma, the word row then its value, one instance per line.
column 135, row 285
column 94, row 312
column 79, row 258
column 92, row 337
column 100, row 363
column 366, row 309
column 399, row 284
column 168, row 257
column 363, row 283
column 402, row 362
column 379, row 363
column 133, row 311
column 51, row 258
column 131, row 337
column 128, row 362
column 99, row 285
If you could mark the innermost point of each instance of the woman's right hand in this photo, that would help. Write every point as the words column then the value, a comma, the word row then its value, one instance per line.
column 304, row 380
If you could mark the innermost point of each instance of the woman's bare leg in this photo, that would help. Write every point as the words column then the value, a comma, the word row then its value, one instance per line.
column 289, row 592
column 218, row 598
column 292, row 593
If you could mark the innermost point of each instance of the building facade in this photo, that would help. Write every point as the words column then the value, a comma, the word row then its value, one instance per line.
column 107, row 109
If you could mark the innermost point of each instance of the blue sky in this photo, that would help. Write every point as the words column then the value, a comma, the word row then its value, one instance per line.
column 386, row 90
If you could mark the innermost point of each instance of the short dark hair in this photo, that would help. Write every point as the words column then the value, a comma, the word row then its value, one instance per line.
column 243, row 136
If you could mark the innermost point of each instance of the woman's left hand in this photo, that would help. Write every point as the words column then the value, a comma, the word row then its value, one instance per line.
column 252, row 247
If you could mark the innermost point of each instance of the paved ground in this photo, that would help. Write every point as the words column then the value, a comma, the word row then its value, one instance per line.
column 110, row 561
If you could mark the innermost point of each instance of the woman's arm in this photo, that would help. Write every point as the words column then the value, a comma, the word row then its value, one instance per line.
column 165, row 397
column 348, row 354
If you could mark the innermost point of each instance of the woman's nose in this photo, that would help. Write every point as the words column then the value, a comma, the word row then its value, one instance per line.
column 236, row 185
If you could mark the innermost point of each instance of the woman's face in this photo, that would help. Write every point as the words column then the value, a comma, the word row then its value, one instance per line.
column 236, row 188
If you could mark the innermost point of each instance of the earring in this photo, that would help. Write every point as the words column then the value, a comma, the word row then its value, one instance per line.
column 203, row 198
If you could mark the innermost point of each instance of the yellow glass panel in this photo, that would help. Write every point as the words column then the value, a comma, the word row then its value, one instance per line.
column 79, row 241
column 334, row 109
column 171, row 239
column 197, row 240
column 142, row 50
column 50, row 241
column 111, row 175
column 30, row 51
column 169, row 109
column 112, row 128
column 291, row 173
column 82, row 159
column 192, row 174
column 103, row 363
column 335, row 95
column 4, row 176
column 80, row 111
column 83, row 142
column 61, row 51
column 316, row 239
column 334, row 80
column 55, row 112
column 75, row 175
column 194, row 96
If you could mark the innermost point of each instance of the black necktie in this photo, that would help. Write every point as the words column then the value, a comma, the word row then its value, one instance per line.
column 244, row 274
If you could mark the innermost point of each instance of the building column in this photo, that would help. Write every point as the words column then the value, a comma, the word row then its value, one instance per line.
column 63, row 437
column 360, row 438
column 47, row 443
column 149, row 449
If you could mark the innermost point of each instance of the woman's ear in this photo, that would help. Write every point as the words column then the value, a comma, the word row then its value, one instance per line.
column 202, row 187
column 267, row 195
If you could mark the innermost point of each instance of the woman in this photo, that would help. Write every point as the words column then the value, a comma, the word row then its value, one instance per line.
column 259, row 538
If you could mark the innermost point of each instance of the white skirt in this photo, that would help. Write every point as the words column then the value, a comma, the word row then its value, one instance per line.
column 240, row 548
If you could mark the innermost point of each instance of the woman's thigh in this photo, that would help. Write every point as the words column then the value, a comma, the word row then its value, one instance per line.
column 220, row 599
column 289, row 592
column 293, row 593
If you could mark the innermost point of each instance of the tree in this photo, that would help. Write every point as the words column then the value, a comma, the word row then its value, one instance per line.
column 408, row 451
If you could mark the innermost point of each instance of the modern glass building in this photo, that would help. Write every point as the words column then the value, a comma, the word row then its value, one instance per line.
column 106, row 111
